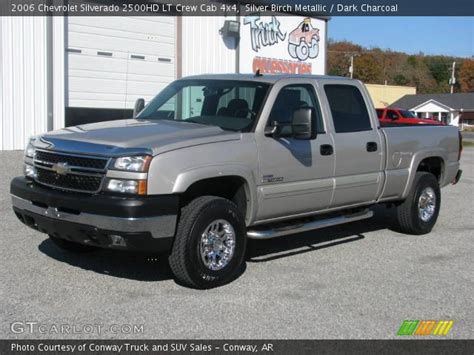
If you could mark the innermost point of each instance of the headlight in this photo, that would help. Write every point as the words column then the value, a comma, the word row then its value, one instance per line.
column 138, row 187
column 30, row 171
column 30, row 151
column 138, row 163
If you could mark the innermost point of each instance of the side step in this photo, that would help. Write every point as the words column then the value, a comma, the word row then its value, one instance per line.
column 299, row 227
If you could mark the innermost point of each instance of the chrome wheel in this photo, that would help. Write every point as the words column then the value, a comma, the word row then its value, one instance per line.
column 427, row 204
column 217, row 244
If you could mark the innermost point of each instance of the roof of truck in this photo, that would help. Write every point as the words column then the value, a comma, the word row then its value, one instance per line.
column 266, row 78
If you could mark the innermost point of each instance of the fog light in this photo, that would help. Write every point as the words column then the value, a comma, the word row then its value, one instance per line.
column 30, row 171
column 117, row 240
column 127, row 186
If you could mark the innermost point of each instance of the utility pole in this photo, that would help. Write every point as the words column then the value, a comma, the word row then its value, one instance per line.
column 452, row 81
column 351, row 68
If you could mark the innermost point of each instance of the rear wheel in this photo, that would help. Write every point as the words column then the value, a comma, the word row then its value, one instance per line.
column 210, row 243
column 419, row 212
column 71, row 246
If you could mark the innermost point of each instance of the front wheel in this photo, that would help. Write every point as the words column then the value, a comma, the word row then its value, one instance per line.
column 419, row 212
column 210, row 243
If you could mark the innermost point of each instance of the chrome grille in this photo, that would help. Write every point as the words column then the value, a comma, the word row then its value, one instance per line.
column 70, row 172
column 72, row 160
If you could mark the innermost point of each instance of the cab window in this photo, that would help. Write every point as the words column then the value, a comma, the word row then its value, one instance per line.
column 291, row 98
column 348, row 108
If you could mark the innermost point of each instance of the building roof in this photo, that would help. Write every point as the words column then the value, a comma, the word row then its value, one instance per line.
column 456, row 101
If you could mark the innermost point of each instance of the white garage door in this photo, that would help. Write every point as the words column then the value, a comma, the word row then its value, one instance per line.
column 112, row 61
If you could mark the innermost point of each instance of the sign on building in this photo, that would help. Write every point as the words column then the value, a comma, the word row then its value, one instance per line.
column 282, row 44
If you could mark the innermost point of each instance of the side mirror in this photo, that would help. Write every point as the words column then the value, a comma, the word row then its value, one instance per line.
column 303, row 123
column 139, row 105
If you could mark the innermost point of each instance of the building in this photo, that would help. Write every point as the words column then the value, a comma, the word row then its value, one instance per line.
column 454, row 109
column 384, row 95
column 63, row 71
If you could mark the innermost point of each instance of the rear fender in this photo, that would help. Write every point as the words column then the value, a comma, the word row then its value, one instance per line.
column 417, row 158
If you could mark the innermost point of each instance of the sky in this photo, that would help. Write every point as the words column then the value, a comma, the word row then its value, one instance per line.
column 452, row 36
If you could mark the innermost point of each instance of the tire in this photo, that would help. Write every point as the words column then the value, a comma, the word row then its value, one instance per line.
column 425, row 188
column 71, row 246
column 302, row 51
column 292, row 50
column 188, row 260
column 314, row 48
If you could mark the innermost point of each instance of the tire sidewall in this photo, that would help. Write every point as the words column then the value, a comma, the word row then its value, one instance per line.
column 302, row 51
column 203, row 276
column 424, row 181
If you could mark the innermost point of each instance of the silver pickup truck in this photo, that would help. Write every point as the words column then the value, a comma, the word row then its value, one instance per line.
column 215, row 159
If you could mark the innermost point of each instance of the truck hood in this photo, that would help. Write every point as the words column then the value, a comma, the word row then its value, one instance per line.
column 132, row 135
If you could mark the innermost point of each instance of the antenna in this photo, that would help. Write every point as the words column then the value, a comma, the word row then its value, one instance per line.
column 257, row 73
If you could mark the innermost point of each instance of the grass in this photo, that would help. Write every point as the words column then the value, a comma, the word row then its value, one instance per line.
column 467, row 144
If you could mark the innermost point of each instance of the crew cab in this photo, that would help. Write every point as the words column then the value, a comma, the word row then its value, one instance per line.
column 214, row 160
column 389, row 116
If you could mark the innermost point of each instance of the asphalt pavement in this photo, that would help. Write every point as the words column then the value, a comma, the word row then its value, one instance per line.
column 360, row 280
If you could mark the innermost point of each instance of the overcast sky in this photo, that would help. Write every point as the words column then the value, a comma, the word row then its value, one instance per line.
column 430, row 35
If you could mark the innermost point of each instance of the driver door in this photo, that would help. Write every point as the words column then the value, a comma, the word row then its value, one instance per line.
column 295, row 176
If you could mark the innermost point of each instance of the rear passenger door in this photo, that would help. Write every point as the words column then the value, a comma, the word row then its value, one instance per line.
column 358, row 147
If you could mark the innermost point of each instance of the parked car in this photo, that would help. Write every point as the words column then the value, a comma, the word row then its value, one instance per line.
column 398, row 116
column 215, row 159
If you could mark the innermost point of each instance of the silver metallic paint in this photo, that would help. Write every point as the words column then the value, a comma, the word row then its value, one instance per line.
column 185, row 153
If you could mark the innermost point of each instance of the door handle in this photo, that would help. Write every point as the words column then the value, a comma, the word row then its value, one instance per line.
column 326, row 149
column 372, row 146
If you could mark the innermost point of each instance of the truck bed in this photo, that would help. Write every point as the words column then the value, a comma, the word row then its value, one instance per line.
column 406, row 146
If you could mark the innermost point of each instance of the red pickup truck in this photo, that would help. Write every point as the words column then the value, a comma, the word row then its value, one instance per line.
column 399, row 116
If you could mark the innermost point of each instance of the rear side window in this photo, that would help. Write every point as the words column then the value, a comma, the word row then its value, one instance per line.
column 393, row 115
column 379, row 113
column 348, row 109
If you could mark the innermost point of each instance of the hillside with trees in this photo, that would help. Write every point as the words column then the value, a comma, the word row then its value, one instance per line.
column 428, row 73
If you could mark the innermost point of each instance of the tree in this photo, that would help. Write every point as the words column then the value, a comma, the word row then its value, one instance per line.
column 400, row 79
column 466, row 76
column 430, row 74
column 440, row 69
column 368, row 69
column 338, row 57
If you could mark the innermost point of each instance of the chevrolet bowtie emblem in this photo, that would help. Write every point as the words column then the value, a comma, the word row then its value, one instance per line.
column 61, row 168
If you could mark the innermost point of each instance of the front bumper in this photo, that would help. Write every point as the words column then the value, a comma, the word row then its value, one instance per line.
column 139, row 223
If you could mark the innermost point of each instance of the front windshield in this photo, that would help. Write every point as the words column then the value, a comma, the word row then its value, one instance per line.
column 407, row 114
column 231, row 105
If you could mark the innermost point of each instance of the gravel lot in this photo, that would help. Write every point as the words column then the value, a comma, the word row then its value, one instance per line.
column 354, row 281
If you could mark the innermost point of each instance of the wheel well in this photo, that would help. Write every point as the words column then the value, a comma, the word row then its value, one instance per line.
column 233, row 188
column 433, row 165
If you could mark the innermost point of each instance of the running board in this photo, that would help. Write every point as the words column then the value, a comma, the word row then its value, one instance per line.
column 300, row 227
